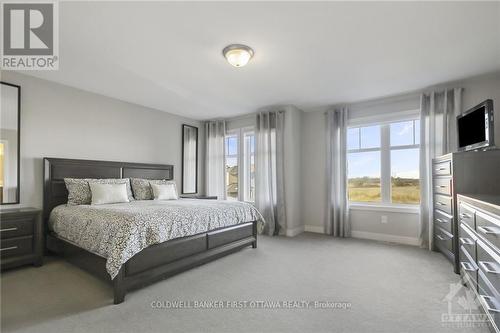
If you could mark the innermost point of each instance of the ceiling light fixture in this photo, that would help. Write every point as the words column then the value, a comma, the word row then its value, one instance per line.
column 238, row 55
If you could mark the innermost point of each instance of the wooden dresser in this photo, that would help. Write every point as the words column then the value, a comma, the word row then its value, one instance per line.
column 462, row 172
column 479, row 250
column 21, row 241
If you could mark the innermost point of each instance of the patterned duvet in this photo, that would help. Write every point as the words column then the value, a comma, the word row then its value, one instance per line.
column 119, row 231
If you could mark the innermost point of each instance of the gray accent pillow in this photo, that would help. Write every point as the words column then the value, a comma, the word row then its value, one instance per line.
column 142, row 188
column 79, row 190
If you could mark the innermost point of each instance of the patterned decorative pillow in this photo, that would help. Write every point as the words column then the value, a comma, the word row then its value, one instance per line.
column 142, row 188
column 79, row 190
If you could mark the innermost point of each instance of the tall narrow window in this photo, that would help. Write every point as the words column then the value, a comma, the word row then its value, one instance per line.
column 240, row 164
column 232, row 166
column 383, row 163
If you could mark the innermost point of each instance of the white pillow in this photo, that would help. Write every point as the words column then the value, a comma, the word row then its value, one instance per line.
column 108, row 193
column 164, row 191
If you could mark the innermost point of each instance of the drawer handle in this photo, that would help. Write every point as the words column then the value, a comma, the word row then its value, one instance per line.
column 441, row 186
column 441, row 221
column 441, row 238
column 467, row 266
column 439, row 203
column 8, row 248
column 466, row 241
column 486, row 300
column 489, row 230
column 465, row 216
column 491, row 269
column 442, row 169
column 8, row 229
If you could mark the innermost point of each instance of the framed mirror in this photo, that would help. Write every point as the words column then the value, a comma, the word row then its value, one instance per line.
column 10, row 109
column 189, row 159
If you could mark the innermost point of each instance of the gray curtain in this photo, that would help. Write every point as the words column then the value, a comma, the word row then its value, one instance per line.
column 215, row 176
column 337, row 214
column 438, row 136
column 269, row 170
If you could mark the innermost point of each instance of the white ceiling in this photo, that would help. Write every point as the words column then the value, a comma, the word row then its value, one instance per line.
column 168, row 55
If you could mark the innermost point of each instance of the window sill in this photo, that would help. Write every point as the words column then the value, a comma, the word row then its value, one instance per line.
column 410, row 209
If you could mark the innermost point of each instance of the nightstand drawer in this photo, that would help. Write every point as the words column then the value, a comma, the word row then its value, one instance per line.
column 16, row 226
column 16, row 246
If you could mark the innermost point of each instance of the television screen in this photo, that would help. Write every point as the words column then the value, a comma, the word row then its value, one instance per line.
column 472, row 127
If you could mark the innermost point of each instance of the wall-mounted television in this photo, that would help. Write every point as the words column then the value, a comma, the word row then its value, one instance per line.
column 475, row 127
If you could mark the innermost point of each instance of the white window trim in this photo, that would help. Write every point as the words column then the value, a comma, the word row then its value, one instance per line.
column 393, row 208
column 247, row 154
column 385, row 160
column 384, row 119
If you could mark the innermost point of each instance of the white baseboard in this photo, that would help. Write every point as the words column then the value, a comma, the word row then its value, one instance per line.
column 385, row 237
column 294, row 232
column 314, row 228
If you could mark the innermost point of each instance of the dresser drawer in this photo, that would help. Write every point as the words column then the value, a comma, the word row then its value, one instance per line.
column 489, row 297
column 442, row 186
column 468, row 240
column 444, row 240
column 443, row 220
column 488, row 227
column 468, row 266
column 467, row 215
column 15, row 226
column 16, row 246
column 442, row 168
column 443, row 203
column 489, row 263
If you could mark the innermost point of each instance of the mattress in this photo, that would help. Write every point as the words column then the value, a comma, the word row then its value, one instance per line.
column 119, row 231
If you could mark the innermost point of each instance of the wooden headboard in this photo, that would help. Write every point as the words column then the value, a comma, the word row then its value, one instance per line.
column 56, row 169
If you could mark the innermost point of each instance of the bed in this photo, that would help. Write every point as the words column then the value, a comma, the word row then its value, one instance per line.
column 131, row 245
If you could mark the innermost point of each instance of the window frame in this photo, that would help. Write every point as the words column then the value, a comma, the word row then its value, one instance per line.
column 385, row 150
column 247, row 162
column 232, row 133
column 243, row 160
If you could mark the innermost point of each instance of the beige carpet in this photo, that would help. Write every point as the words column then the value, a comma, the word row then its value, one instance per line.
column 390, row 288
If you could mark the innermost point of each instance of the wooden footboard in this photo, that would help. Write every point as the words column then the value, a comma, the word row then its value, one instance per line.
column 160, row 261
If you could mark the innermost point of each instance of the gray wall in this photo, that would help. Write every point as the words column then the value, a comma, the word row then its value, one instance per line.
column 60, row 121
column 400, row 226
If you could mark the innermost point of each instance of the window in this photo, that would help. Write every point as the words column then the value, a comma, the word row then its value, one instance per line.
column 383, row 163
column 232, row 167
column 240, row 155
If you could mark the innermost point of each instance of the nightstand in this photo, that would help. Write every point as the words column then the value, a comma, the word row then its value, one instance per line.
column 205, row 197
column 21, row 233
